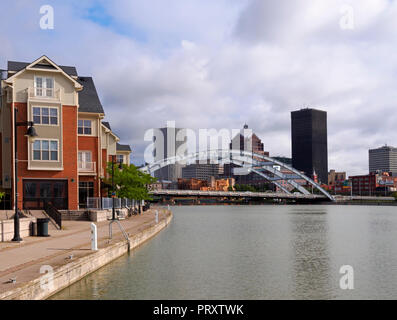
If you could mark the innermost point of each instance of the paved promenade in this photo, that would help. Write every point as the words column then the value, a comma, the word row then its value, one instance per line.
column 24, row 260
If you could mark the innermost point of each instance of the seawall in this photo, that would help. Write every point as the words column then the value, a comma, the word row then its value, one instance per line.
column 65, row 275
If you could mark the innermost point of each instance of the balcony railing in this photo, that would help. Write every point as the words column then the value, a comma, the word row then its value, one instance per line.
column 87, row 167
column 43, row 93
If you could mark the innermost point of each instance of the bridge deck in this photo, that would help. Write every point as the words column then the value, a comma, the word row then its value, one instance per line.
column 237, row 194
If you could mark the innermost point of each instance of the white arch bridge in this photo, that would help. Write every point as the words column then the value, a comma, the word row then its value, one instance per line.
column 270, row 169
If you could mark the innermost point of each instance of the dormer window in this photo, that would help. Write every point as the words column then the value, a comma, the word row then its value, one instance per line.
column 44, row 87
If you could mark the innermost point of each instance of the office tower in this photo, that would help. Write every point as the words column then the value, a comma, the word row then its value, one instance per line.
column 169, row 142
column 309, row 142
column 246, row 140
column 202, row 171
column 383, row 159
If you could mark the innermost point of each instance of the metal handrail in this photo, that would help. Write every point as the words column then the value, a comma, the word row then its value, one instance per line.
column 53, row 213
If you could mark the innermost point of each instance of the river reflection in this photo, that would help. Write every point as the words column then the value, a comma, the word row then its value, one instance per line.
column 256, row 252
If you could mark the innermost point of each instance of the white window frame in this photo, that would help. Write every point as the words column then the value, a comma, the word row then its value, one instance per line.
column 84, row 152
column 44, row 87
column 117, row 158
column 91, row 127
column 49, row 150
column 49, row 116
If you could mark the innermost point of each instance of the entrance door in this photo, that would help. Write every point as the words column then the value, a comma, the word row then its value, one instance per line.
column 86, row 190
column 37, row 192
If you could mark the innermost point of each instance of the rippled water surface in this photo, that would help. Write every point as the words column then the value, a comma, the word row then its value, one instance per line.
column 256, row 252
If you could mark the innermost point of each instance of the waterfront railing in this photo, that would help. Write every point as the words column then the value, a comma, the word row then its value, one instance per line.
column 107, row 203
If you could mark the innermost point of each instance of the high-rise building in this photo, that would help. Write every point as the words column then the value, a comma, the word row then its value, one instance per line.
column 168, row 143
column 202, row 171
column 383, row 159
column 309, row 142
column 246, row 140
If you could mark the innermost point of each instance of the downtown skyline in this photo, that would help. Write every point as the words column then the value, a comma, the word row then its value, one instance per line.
column 223, row 64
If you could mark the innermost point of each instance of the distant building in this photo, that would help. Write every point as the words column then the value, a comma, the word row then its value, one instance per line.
column 202, row 171
column 373, row 183
column 285, row 160
column 246, row 141
column 383, row 159
column 167, row 146
column 309, row 142
column 205, row 185
column 336, row 177
column 191, row 184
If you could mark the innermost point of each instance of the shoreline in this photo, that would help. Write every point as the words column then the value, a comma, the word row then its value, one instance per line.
column 66, row 273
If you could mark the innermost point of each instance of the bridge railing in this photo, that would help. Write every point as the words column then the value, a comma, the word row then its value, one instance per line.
column 107, row 203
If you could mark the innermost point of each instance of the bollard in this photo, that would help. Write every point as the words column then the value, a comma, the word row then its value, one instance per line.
column 94, row 237
column 157, row 216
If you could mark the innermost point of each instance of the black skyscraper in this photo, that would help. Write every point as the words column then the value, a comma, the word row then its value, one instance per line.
column 309, row 142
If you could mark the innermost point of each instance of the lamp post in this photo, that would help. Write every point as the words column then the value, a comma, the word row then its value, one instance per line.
column 113, row 189
column 31, row 133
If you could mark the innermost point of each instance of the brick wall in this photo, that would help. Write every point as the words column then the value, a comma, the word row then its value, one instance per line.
column 69, row 116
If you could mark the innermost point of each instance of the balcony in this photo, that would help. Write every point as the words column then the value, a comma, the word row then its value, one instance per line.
column 44, row 94
column 87, row 167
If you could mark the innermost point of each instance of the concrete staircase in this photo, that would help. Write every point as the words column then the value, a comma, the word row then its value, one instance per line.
column 40, row 214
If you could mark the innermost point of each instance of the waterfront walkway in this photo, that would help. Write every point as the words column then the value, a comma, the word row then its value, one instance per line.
column 23, row 261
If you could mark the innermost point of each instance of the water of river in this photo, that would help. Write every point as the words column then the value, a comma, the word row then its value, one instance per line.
column 256, row 252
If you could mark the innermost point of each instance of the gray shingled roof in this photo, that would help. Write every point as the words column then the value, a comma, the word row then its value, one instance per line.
column 123, row 147
column 18, row 66
column 88, row 97
column 107, row 125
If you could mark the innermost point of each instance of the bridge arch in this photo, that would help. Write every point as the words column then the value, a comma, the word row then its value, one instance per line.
column 253, row 162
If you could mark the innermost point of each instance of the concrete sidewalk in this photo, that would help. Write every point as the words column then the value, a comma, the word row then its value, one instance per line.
column 24, row 260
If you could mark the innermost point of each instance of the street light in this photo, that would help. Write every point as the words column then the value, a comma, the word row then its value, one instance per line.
column 113, row 191
column 31, row 134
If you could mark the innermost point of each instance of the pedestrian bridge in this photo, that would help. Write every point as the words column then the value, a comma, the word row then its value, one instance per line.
column 237, row 194
column 270, row 169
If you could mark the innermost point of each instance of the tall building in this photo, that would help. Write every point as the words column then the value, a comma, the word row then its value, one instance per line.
column 246, row 140
column 309, row 142
column 383, row 159
column 202, row 171
column 166, row 145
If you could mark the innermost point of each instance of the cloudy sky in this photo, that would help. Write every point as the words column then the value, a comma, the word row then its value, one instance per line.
column 220, row 64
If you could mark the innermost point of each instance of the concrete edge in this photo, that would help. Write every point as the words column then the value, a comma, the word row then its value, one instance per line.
column 63, row 276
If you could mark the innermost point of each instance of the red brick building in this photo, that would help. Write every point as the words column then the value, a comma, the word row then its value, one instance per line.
column 66, row 162
column 373, row 183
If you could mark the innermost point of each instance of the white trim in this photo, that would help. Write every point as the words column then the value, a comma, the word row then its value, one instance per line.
column 44, row 169
column 77, row 85
column 44, row 86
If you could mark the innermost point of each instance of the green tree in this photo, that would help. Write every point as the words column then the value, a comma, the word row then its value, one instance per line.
column 129, row 182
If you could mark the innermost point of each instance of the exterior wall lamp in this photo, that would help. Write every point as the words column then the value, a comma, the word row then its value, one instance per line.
column 31, row 134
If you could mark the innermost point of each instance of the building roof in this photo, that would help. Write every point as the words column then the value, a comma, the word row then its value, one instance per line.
column 107, row 125
column 88, row 97
column 18, row 66
column 123, row 147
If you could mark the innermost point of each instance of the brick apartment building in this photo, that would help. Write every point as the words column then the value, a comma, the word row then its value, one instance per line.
column 66, row 162
column 373, row 183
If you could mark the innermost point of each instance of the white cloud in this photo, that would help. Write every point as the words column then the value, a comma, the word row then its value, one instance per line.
column 206, row 64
